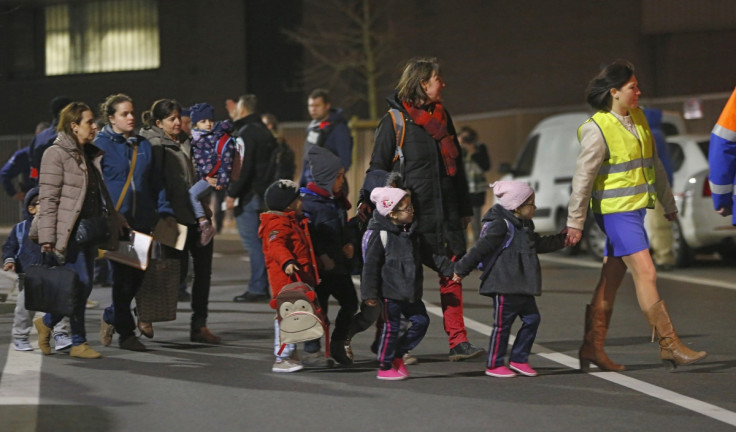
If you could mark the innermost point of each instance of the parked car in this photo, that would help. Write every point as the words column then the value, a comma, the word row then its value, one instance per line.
column 698, row 229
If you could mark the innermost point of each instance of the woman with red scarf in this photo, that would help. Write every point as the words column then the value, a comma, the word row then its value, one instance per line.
column 433, row 170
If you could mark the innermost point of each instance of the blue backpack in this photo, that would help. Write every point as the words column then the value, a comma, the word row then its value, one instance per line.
column 486, row 265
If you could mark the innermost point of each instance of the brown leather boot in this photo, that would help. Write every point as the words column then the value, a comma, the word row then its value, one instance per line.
column 204, row 335
column 591, row 351
column 671, row 349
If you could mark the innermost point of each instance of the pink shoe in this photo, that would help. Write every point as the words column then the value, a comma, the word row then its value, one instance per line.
column 391, row 375
column 500, row 372
column 523, row 368
column 400, row 367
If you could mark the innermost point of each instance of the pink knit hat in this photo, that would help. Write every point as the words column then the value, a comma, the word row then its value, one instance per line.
column 511, row 194
column 386, row 198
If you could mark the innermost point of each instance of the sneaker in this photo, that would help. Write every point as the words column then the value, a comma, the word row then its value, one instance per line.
column 390, row 375
column 398, row 364
column 464, row 351
column 22, row 345
column 106, row 332
column 251, row 298
column 523, row 368
column 316, row 360
column 132, row 343
column 62, row 342
column 337, row 351
column 409, row 359
column 91, row 304
column 286, row 365
column 348, row 350
column 206, row 232
column 184, row 296
column 500, row 372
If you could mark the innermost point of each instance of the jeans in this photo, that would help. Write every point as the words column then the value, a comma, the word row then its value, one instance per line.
column 392, row 345
column 202, row 263
column 248, row 222
column 126, row 281
column 288, row 348
column 81, row 260
column 196, row 193
column 506, row 308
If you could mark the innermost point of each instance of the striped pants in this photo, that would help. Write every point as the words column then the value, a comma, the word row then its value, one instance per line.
column 507, row 308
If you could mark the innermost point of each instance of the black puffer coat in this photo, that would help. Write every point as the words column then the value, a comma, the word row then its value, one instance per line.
column 440, row 201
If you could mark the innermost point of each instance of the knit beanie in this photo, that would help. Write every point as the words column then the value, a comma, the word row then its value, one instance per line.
column 324, row 166
column 280, row 194
column 387, row 198
column 511, row 194
column 201, row 111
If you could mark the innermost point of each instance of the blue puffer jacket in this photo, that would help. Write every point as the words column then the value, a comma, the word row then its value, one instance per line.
column 141, row 200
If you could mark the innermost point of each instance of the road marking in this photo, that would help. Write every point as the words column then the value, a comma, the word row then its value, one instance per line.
column 695, row 405
column 21, row 380
column 660, row 275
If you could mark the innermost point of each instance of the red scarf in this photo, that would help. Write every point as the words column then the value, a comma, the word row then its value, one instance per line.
column 326, row 194
column 435, row 123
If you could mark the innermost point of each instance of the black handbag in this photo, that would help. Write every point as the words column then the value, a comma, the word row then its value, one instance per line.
column 51, row 288
column 94, row 230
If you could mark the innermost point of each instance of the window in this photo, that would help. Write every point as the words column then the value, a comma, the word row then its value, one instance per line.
column 525, row 163
column 107, row 36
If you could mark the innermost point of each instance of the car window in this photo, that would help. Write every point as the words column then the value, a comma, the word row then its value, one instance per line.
column 677, row 155
column 525, row 163
column 704, row 146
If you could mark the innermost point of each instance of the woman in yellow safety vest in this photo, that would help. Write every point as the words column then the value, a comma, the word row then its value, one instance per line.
column 619, row 175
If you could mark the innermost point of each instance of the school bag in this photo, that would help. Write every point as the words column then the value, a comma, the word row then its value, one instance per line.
column 486, row 265
column 299, row 314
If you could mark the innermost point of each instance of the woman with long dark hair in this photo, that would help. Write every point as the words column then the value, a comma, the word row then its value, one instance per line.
column 618, row 175
column 173, row 162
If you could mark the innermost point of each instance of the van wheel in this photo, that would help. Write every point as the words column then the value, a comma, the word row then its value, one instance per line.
column 560, row 224
column 595, row 238
column 684, row 255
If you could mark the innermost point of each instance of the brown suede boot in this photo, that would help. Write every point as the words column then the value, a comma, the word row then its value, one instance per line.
column 671, row 349
column 204, row 335
column 84, row 351
column 591, row 351
column 44, row 335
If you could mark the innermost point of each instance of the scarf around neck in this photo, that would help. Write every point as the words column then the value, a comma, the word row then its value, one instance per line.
column 434, row 121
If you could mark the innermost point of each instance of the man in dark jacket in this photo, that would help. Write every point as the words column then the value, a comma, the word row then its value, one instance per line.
column 328, row 129
column 255, row 144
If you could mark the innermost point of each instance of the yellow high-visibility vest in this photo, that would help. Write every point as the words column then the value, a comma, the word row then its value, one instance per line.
column 625, row 180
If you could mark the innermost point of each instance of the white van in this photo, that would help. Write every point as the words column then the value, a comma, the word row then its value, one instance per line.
column 547, row 163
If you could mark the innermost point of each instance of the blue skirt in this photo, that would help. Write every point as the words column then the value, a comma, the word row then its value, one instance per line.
column 625, row 233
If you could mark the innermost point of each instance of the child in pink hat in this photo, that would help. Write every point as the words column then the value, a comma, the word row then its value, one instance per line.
column 392, row 275
column 506, row 253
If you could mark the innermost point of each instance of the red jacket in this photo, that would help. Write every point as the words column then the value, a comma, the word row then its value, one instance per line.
column 286, row 240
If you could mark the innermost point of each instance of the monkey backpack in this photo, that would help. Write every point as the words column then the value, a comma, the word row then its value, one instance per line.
column 298, row 313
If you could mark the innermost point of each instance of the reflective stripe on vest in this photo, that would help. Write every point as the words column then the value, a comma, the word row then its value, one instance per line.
column 625, row 181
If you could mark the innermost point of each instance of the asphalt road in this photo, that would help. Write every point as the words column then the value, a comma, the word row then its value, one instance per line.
column 181, row 386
